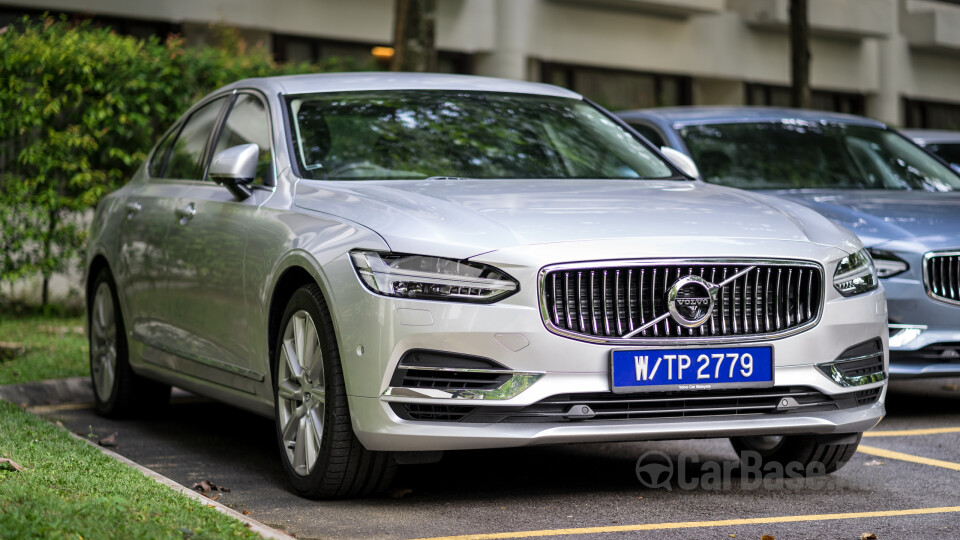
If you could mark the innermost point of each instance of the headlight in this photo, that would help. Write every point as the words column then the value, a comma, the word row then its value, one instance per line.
column 855, row 274
column 888, row 264
column 431, row 278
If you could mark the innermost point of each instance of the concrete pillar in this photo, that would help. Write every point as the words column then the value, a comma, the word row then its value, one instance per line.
column 513, row 28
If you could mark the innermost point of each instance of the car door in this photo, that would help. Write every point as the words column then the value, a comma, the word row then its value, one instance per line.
column 141, row 261
column 211, row 309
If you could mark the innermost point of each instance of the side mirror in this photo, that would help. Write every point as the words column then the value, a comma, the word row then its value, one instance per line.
column 681, row 160
column 235, row 168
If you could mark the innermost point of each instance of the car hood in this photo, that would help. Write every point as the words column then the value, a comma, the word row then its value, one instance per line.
column 463, row 218
column 882, row 216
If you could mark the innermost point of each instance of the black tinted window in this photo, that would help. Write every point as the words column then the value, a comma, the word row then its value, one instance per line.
column 160, row 156
column 421, row 134
column 797, row 154
column 950, row 152
column 184, row 161
column 247, row 123
column 650, row 133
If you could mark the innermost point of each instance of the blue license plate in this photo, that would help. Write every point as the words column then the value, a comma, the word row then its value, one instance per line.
column 691, row 369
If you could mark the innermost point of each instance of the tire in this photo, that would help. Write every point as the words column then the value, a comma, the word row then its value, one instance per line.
column 815, row 454
column 320, row 454
column 117, row 390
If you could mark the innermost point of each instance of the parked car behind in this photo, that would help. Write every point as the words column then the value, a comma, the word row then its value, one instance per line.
column 394, row 265
column 904, row 204
column 941, row 143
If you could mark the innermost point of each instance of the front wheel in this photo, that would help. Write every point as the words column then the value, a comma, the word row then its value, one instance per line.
column 320, row 454
column 809, row 454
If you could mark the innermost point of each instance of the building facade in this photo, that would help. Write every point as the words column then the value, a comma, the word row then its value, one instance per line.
column 895, row 60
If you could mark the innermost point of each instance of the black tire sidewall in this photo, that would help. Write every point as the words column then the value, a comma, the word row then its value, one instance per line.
column 303, row 299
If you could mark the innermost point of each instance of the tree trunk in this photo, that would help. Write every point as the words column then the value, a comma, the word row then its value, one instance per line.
column 799, row 54
column 47, row 254
column 413, row 36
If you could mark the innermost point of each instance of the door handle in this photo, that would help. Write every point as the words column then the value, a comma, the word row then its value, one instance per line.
column 133, row 208
column 186, row 213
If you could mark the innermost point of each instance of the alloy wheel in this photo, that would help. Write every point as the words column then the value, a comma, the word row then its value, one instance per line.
column 301, row 393
column 103, row 341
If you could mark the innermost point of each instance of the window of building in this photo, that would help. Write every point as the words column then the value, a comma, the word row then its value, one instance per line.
column 931, row 114
column 822, row 100
column 359, row 55
column 617, row 90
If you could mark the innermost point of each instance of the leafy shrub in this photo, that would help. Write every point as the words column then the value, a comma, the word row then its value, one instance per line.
column 80, row 106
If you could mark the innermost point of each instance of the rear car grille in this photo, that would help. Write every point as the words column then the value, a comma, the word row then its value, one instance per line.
column 610, row 303
column 942, row 275
column 608, row 406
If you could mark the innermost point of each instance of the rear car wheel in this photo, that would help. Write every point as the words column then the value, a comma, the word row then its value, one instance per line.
column 320, row 453
column 814, row 454
column 117, row 390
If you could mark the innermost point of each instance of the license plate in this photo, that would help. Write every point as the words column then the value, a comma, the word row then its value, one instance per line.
column 691, row 369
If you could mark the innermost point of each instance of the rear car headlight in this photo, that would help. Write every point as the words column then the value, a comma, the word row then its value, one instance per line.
column 431, row 278
column 887, row 264
column 855, row 274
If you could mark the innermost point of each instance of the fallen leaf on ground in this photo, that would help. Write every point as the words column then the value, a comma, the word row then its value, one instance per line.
column 247, row 512
column 767, row 537
column 868, row 536
column 732, row 536
column 398, row 493
column 873, row 463
column 211, row 497
column 205, row 485
column 109, row 440
column 951, row 387
column 4, row 463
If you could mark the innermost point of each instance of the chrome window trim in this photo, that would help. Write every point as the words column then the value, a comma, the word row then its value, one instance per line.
column 687, row 340
column 926, row 275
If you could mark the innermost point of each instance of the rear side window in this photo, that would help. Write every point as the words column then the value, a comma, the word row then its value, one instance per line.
column 185, row 156
column 650, row 133
column 160, row 156
column 248, row 122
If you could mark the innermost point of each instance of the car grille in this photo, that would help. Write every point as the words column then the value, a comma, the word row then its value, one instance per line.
column 609, row 303
column 942, row 275
column 607, row 406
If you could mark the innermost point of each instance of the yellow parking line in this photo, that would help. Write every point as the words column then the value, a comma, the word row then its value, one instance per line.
column 697, row 524
column 890, row 454
column 912, row 432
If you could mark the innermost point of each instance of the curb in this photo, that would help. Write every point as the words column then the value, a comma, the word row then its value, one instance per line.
column 252, row 524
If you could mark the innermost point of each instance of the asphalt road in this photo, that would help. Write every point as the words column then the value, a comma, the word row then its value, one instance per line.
column 573, row 490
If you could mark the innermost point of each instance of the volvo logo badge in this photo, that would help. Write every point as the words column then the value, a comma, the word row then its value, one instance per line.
column 690, row 300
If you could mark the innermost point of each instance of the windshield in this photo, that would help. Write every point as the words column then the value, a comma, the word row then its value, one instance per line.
column 793, row 154
column 386, row 135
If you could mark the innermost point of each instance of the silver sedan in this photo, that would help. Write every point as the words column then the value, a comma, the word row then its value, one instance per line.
column 394, row 265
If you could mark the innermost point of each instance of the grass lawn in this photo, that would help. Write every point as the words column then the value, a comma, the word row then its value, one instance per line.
column 68, row 489
column 55, row 348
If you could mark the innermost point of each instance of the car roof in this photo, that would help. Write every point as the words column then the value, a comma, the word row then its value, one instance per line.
column 681, row 116
column 927, row 136
column 365, row 81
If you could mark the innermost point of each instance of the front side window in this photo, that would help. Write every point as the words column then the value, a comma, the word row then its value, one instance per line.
column 795, row 154
column 159, row 158
column 422, row 134
column 248, row 122
column 185, row 157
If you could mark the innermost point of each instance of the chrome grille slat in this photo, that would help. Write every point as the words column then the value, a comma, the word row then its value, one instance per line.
column 942, row 275
column 607, row 302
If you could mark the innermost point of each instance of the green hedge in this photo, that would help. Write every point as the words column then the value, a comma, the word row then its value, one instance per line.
column 80, row 106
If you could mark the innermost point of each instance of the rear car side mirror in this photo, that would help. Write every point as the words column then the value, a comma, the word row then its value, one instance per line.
column 681, row 160
column 235, row 168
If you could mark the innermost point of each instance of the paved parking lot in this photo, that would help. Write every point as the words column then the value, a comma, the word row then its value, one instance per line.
column 904, row 482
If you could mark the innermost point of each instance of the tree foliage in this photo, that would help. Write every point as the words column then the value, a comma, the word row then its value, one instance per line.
column 80, row 106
